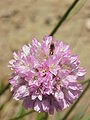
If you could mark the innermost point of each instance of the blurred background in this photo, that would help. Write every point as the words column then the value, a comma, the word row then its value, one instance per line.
column 20, row 21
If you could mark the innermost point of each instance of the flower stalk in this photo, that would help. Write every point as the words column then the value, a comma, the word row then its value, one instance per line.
column 64, row 17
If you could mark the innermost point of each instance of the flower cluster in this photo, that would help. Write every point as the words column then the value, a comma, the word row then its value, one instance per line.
column 45, row 75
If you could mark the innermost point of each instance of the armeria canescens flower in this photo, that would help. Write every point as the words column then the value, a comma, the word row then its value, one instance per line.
column 45, row 75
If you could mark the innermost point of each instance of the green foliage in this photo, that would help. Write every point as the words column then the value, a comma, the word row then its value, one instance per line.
column 20, row 112
column 22, row 115
column 39, row 116
column 42, row 116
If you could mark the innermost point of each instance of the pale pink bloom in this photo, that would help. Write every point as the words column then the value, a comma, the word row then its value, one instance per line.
column 45, row 75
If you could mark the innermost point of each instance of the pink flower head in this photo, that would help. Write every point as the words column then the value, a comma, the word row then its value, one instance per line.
column 45, row 75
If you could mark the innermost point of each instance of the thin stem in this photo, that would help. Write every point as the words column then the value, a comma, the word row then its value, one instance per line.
column 21, row 116
column 86, row 81
column 74, row 105
column 64, row 17
column 4, row 89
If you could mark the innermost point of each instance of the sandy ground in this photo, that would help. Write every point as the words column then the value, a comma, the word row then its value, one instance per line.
column 21, row 20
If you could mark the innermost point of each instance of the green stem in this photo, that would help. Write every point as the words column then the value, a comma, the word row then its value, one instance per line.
column 74, row 105
column 86, row 81
column 4, row 89
column 21, row 116
column 64, row 17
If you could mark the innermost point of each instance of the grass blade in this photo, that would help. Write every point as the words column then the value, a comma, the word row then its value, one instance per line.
column 4, row 89
column 23, row 115
column 21, row 111
column 39, row 116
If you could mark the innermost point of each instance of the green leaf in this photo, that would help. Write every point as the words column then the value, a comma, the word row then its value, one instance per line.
column 39, row 116
column 21, row 111
column 7, row 100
